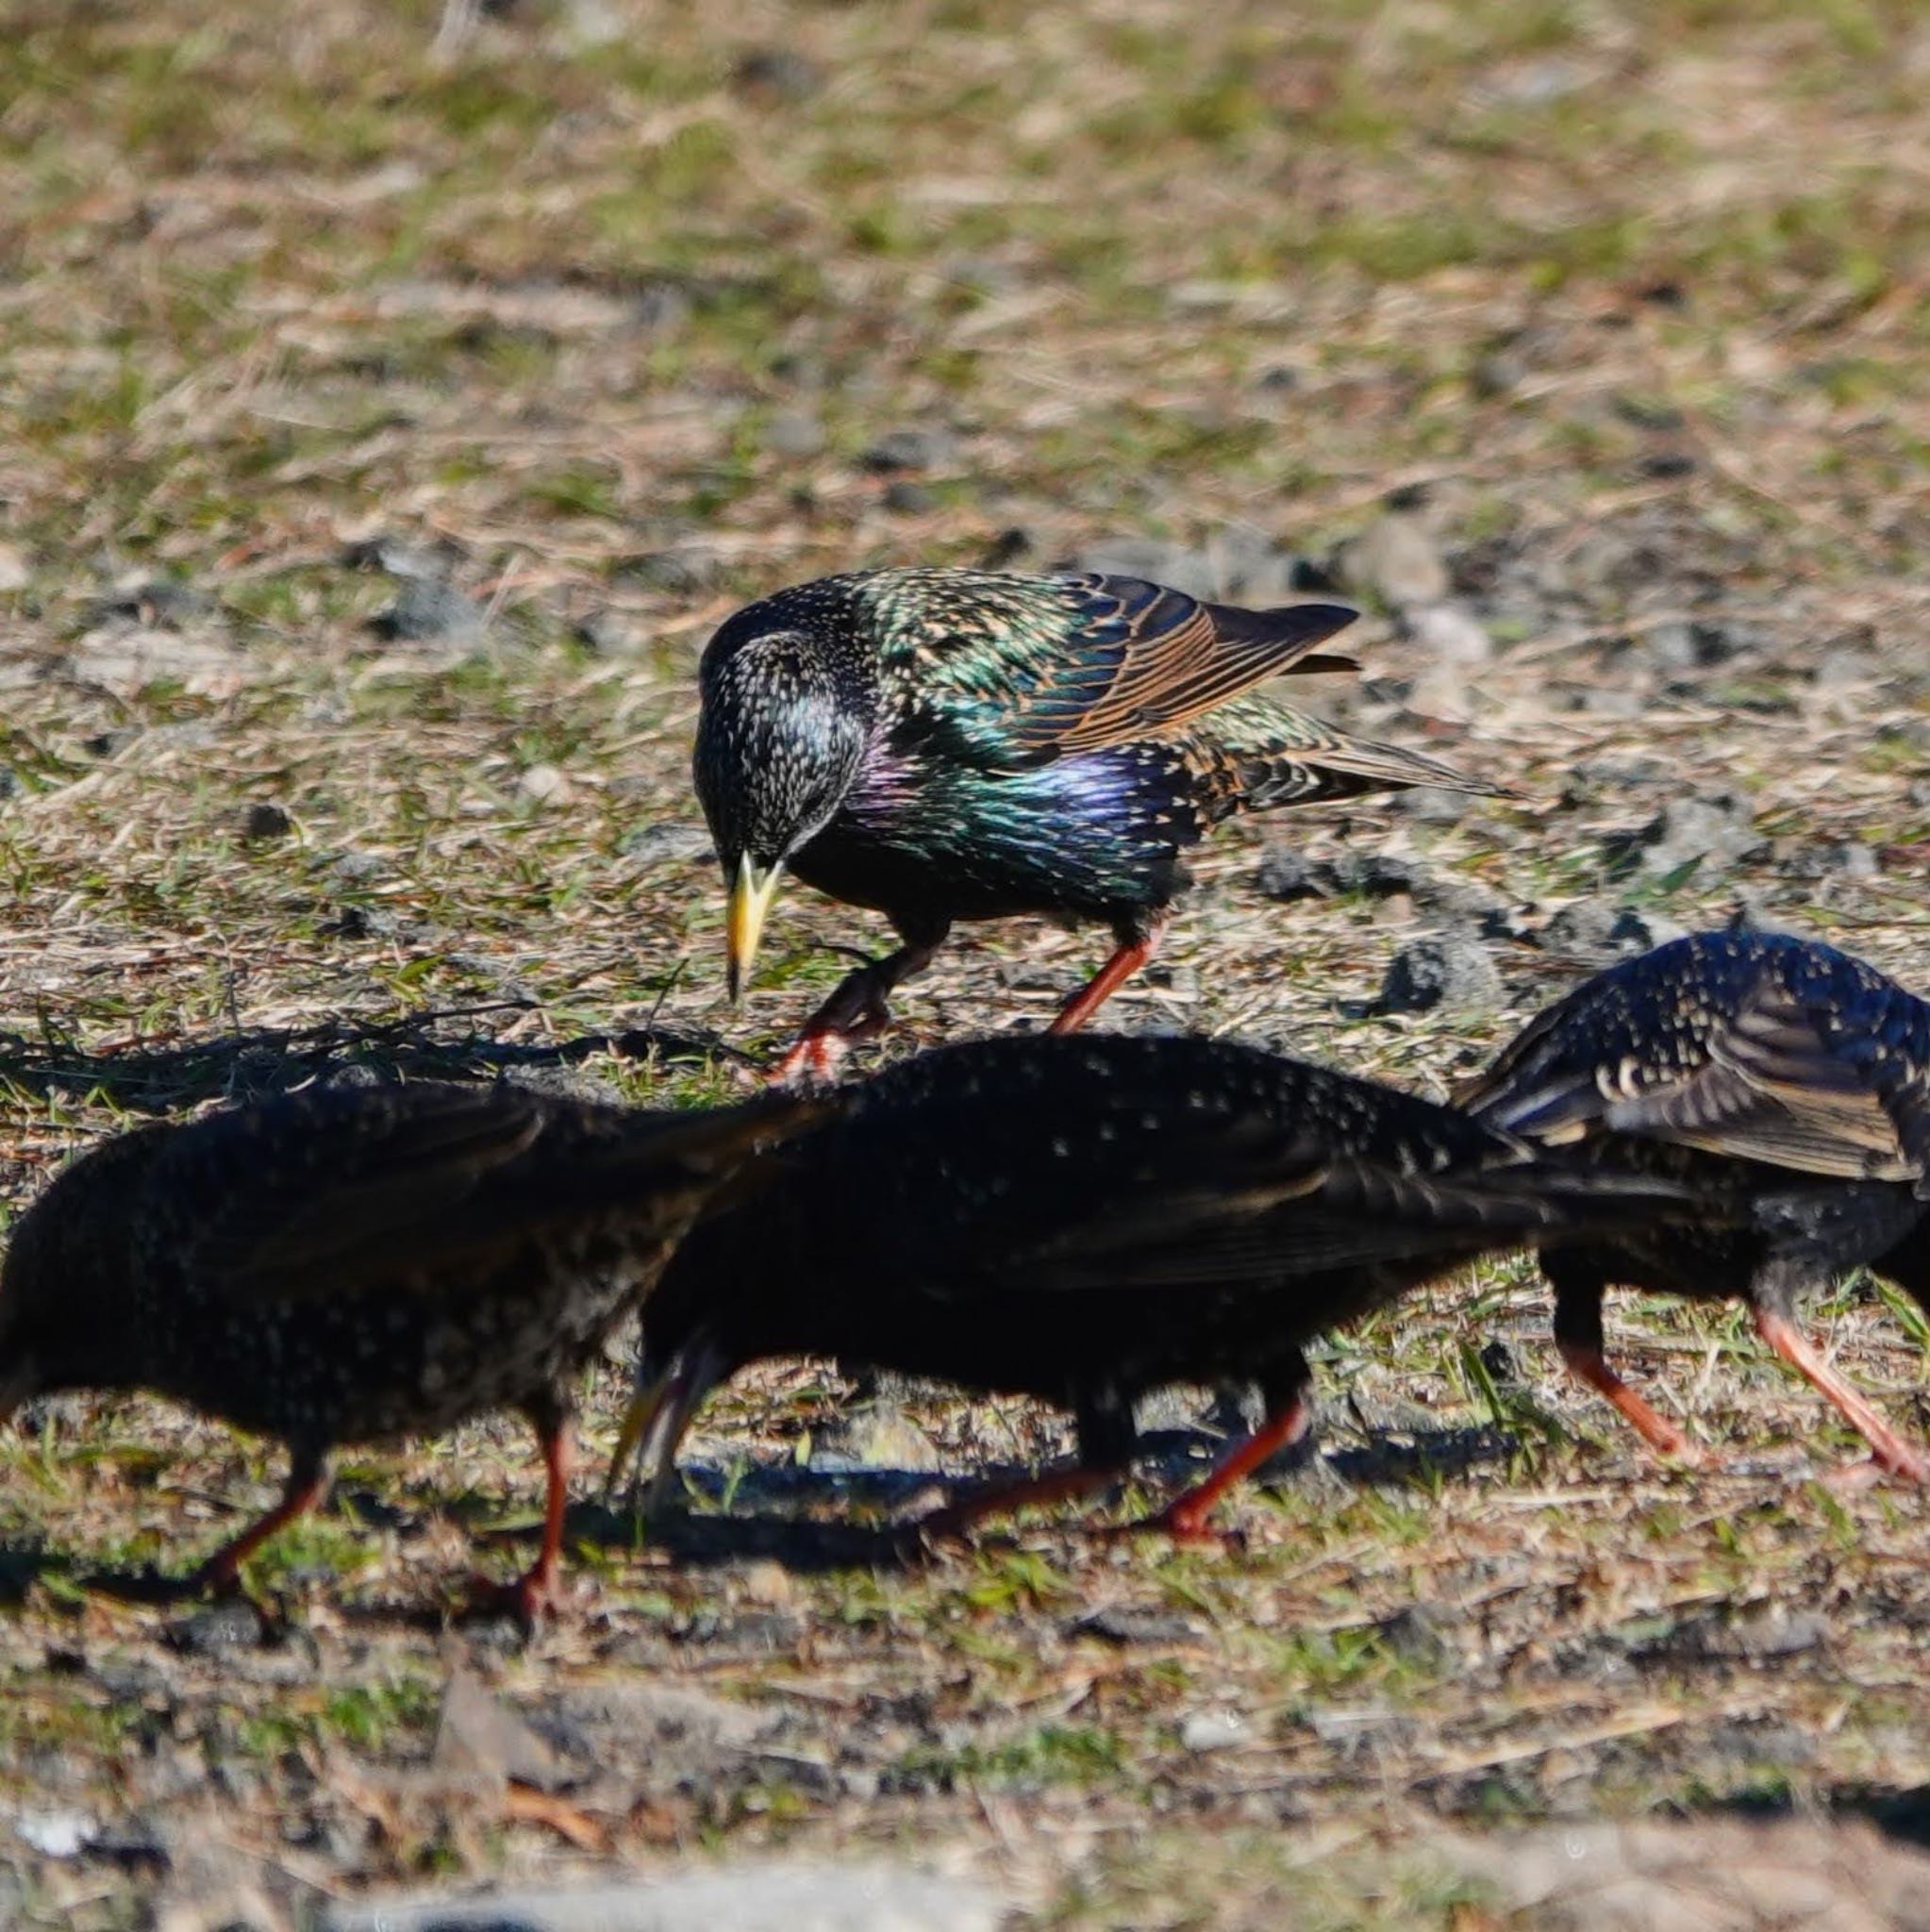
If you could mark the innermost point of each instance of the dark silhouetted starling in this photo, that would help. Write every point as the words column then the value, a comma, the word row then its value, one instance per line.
column 1083, row 1220
column 1745, row 1065
column 957, row 744
column 352, row 1264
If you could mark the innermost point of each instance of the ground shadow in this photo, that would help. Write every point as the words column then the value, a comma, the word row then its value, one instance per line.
column 703, row 1541
column 1899, row 1812
column 252, row 1062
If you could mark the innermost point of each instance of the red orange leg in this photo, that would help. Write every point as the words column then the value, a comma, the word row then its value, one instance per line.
column 859, row 1007
column 533, row 1594
column 1588, row 1364
column 1892, row 1453
column 1003, row 1499
column 1126, row 960
column 819, row 1050
column 1184, row 1518
column 308, row 1477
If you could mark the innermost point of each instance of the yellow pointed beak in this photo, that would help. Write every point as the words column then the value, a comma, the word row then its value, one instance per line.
column 750, row 900
column 642, row 1411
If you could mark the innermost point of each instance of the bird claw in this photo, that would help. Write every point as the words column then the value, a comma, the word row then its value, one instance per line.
column 817, row 1054
column 525, row 1602
column 1176, row 1523
column 811, row 1060
column 1853, row 1478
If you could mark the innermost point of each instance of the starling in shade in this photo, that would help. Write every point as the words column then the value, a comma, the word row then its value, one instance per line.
column 1084, row 1220
column 1764, row 1068
column 957, row 744
column 349, row 1265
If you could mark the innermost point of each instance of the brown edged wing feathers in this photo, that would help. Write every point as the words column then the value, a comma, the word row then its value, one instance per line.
column 1144, row 658
column 1772, row 1090
column 1763, row 1083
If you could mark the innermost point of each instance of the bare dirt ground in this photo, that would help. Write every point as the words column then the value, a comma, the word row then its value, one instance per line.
column 394, row 404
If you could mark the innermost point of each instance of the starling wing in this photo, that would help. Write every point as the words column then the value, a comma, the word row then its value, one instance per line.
column 1769, row 1078
column 1017, row 671
column 349, row 1195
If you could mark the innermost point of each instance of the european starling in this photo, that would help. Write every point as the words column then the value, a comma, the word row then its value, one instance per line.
column 346, row 1265
column 1084, row 1220
column 1757, row 1067
column 957, row 744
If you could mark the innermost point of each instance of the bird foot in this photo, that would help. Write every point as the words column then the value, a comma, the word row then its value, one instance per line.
column 1177, row 1523
column 1894, row 1459
column 811, row 1060
column 1679, row 1452
column 525, row 1602
column 817, row 1054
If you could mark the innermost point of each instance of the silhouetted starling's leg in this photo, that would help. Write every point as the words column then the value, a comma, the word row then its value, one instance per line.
column 859, row 1007
column 1026, row 1492
column 1131, row 953
column 1578, row 1291
column 533, row 1594
column 1289, row 1418
column 1892, row 1453
column 308, row 1476
column 1107, row 1436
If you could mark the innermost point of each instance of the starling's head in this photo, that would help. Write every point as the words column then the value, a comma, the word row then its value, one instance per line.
column 786, row 719
column 65, row 1319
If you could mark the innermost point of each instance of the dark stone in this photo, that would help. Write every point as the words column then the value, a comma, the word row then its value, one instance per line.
column 672, row 842
column 1429, row 804
column 426, row 611
column 1452, row 973
column 1760, row 1635
column 134, row 1844
column 154, row 602
column 1498, row 1359
column 1006, row 549
column 606, row 633
column 781, row 71
column 218, row 1630
column 1496, row 373
column 263, row 821
column 360, row 922
column 912, row 449
column 906, row 499
column 399, row 558
column 1415, row 1636
column 683, row 573
column 1289, row 875
column 1116, row 1623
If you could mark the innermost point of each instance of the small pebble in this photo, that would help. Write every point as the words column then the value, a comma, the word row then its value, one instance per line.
column 1212, row 1730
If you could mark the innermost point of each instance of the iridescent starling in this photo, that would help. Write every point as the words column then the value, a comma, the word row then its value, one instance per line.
column 1084, row 1220
column 1747, row 1065
column 347, row 1265
column 957, row 744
